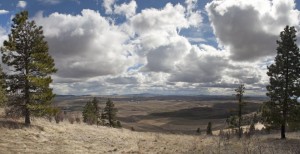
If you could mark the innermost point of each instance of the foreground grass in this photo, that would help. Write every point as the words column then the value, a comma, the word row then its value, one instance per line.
column 46, row 137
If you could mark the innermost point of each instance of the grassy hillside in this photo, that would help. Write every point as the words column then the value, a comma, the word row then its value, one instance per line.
column 46, row 137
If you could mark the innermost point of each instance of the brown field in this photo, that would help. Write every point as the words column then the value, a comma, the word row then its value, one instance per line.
column 166, row 114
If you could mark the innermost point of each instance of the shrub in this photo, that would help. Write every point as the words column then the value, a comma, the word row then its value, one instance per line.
column 71, row 119
column 198, row 130
column 118, row 125
column 59, row 117
column 77, row 119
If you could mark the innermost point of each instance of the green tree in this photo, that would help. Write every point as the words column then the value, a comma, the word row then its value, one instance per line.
column 209, row 129
column 3, row 97
column 239, row 96
column 282, row 109
column 26, row 53
column 91, row 112
column 110, row 113
column 235, row 121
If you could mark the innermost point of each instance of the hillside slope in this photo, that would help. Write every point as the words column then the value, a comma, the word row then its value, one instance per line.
column 46, row 137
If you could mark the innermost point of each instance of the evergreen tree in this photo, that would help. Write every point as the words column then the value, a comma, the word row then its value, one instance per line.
column 3, row 97
column 239, row 95
column 26, row 53
column 282, row 109
column 235, row 121
column 209, row 129
column 91, row 113
column 109, row 113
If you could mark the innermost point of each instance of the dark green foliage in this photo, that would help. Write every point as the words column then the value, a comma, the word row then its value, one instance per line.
column 91, row 112
column 236, row 121
column 282, row 109
column 232, row 122
column 3, row 97
column 26, row 53
column 209, row 129
column 110, row 113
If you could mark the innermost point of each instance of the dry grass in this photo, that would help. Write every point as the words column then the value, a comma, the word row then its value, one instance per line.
column 48, row 137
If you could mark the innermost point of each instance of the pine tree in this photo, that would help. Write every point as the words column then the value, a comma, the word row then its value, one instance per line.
column 3, row 97
column 282, row 109
column 26, row 53
column 110, row 113
column 235, row 121
column 209, row 129
column 91, row 112
column 239, row 95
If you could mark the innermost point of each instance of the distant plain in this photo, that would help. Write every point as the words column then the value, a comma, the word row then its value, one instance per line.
column 167, row 114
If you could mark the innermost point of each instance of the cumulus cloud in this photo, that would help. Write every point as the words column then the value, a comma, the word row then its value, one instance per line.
column 164, row 58
column 249, row 29
column 108, row 6
column 204, row 64
column 22, row 4
column 85, row 45
column 4, row 11
column 126, row 9
column 170, row 19
column 147, row 53
column 158, row 41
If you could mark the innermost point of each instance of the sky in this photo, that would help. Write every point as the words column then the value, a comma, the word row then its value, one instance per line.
column 172, row 47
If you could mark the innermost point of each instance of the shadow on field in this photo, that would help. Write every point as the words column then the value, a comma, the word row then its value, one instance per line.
column 11, row 124
column 217, row 111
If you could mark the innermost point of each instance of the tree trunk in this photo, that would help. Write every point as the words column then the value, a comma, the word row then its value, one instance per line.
column 285, row 108
column 283, row 131
column 240, row 116
column 27, row 117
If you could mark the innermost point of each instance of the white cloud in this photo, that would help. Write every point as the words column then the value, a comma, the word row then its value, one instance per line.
column 249, row 29
column 170, row 19
column 108, row 6
column 52, row 2
column 146, row 53
column 86, row 45
column 201, row 65
column 126, row 9
column 22, row 4
column 4, row 11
